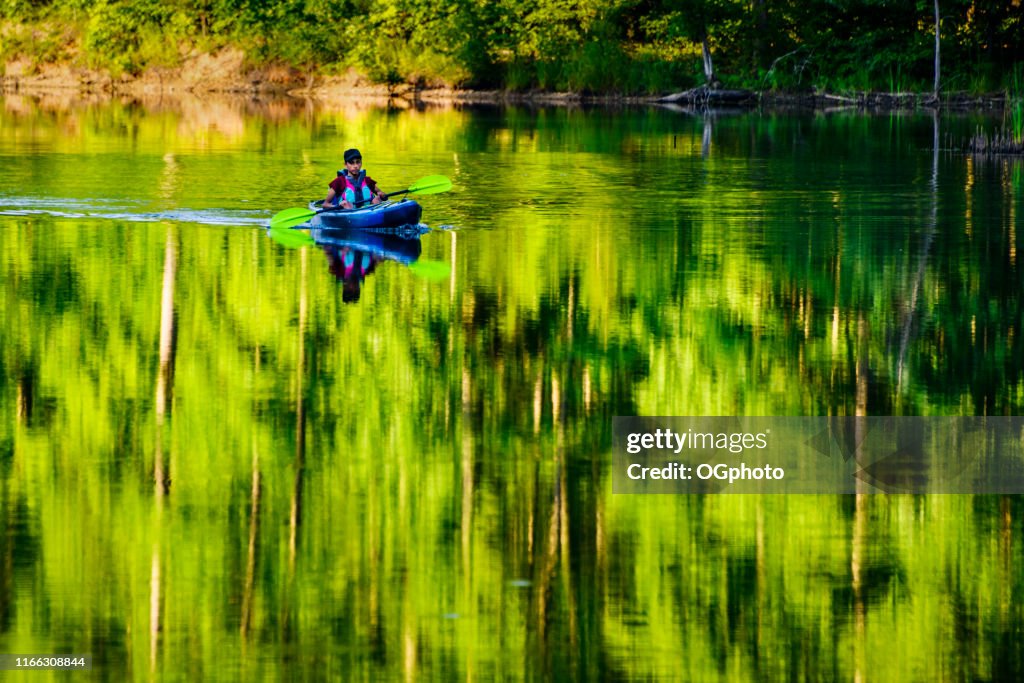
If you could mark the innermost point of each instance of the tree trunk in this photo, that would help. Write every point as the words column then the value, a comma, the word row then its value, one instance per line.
column 761, row 21
column 709, row 69
column 936, row 88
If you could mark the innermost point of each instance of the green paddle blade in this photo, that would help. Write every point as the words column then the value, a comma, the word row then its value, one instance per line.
column 431, row 270
column 432, row 184
column 293, row 239
column 290, row 218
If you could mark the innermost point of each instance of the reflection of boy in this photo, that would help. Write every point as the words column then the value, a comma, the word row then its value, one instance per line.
column 351, row 267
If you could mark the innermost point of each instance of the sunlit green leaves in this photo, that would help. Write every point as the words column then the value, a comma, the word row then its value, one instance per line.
column 627, row 46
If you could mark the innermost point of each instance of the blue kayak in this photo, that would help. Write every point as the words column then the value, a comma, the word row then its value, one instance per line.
column 384, row 215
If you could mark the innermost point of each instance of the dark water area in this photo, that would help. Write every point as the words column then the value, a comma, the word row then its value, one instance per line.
column 228, row 456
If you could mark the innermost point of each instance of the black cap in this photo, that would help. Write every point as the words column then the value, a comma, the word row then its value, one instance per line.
column 351, row 154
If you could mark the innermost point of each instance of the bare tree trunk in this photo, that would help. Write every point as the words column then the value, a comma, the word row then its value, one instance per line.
column 709, row 69
column 936, row 87
column 761, row 21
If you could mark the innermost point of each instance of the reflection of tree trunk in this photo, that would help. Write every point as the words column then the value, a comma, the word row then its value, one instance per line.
column 587, row 389
column 250, row 563
column 26, row 395
column 154, row 606
column 859, row 603
column 7, row 615
column 761, row 569
column 571, row 312
column 549, row 548
column 1006, row 576
column 161, row 481
column 556, row 406
column 455, row 271
column 860, row 513
column 554, row 552
column 600, row 545
column 563, row 525
column 861, row 408
column 538, row 397
column 295, row 514
column 295, row 508
column 165, row 376
column 861, row 393
column 837, row 289
column 531, row 521
column 922, row 261
column 409, row 647
column 467, row 483
column 705, row 143
column 466, row 523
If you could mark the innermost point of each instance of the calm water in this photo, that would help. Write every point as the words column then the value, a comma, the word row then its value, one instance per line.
column 221, row 459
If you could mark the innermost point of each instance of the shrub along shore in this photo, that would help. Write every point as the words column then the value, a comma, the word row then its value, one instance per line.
column 606, row 48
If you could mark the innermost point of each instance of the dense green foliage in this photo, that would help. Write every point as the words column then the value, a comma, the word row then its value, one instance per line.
column 628, row 46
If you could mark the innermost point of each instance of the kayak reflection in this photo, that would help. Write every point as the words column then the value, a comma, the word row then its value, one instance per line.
column 352, row 255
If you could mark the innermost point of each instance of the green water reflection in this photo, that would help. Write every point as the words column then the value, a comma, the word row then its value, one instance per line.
column 213, row 466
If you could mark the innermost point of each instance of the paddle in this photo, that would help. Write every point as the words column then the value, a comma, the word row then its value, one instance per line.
column 432, row 184
column 293, row 239
column 431, row 270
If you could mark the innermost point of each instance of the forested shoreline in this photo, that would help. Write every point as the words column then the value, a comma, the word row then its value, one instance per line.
column 602, row 47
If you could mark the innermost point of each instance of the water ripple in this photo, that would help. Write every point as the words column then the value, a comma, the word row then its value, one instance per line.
column 126, row 212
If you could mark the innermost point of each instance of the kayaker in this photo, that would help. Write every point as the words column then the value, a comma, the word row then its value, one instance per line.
column 353, row 185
